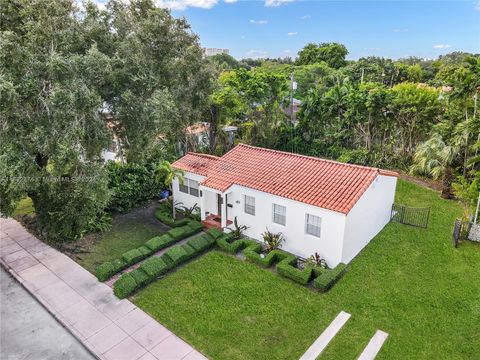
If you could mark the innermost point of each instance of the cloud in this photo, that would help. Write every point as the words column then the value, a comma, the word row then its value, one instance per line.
column 400, row 30
column 230, row 1
column 275, row 3
column 476, row 5
column 371, row 49
column 305, row 17
column 183, row 4
column 292, row 33
column 256, row 54
column 259, row 22
column 442, row 46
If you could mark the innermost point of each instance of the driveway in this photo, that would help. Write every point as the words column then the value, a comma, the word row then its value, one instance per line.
column 28, row 331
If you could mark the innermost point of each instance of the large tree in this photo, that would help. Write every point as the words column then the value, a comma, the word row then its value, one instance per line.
column 333, row 54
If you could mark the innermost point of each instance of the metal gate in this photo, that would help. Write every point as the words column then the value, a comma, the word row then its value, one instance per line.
column 410, row 216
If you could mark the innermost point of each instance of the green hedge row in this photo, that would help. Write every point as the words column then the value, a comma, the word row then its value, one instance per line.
column 106, row 270
column 152, row 268
column 328, row 278
column 165, row 217
column 225, row 243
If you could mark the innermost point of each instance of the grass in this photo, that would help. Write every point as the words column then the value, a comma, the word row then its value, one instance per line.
column 409, row 282
column 128, row 232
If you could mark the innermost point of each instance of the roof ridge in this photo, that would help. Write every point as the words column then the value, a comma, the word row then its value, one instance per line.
column 208, row 156
column 307, row 157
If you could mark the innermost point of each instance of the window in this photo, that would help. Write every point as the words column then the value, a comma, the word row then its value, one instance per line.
column 313, row 224
column 249, row 205
column 279, row 214
column 183, row 187
column 193, row 187
column 189, row 187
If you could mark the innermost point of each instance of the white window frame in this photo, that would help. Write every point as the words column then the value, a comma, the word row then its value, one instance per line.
column 313, row 225
column 249, row 206
column 278, row 217
column 183, row 188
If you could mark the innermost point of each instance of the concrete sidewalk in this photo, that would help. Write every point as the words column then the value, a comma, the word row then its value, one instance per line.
column 112, row 329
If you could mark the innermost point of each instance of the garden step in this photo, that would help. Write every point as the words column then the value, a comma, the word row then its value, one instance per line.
column 327, row 335
column 374, row 346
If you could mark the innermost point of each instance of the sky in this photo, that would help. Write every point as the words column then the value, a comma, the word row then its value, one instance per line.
column 279, row 28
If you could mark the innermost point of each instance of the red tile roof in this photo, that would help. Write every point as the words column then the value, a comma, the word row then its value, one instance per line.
column 324, row 183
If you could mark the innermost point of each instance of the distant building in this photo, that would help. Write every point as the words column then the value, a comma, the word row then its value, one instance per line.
column 214, row 51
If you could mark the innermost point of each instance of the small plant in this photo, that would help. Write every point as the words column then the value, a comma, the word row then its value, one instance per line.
column 317, row 261
column 190, row 211
column 272, row 240
column 169, row 205
column 238, row 231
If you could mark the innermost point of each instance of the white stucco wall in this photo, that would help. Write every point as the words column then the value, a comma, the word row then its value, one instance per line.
column 187, row 200
column 369, row 215
column 297, row 241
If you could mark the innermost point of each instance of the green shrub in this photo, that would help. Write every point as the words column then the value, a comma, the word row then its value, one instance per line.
column 106, row 270
column 195, row 225
column 168, row 261
column 160, row 242
column 177, row 254
column 190, row 251
column 287, row 269
column 177, row 233
column 141, row 278
column 199, row 243
column 223, row 243
column 215, row 233
column 329, row 277
column 252, row 253
column 130, row 185
column 145, row 251
column 166, row 217
column 132, row 256
column 154, row 267
column 124, row 286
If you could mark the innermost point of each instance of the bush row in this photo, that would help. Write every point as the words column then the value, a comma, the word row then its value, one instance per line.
column 330, row 277
column 106, row 270
column 152, row 268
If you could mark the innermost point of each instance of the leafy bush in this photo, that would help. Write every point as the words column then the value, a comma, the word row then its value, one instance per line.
column 166, row 217
column 124, row 286
column 252, row 253
column 272, row 240
column 200, row 243
column 141, row 278
column 191, row 252
column 177, row 254
column 106, row 270
column 131, row 185
column 238, row 230
column 145, row 251
column 177, row 233
column 195, row 225
column 160, row 242
column 316, row 260
column 214, row 232
column 287, row 269
column 328, row 278
column 154, row 266
column 132, row 256
column 223, row 243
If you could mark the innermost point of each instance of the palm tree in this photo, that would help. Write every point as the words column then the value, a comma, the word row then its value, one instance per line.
column 436, row 159
column 166, row 174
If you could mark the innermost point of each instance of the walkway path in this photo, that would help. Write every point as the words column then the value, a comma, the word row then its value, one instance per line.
column 112, row 329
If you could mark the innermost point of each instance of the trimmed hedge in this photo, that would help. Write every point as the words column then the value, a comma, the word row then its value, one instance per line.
column 145, row 251
column 177, row 254
column 195, row 225
column 154, row 266
column 215, row 233
column 132, row 256
column 160, row 242
column 287, row 269
column 234, row 247
column 141, row 278
column 328, row 278
column 106, row 270
column 165, row 217
column 177, row 233
column 201, row 243
column 124, row 286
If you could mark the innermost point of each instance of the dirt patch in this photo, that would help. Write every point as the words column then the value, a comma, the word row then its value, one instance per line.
column 424, row 182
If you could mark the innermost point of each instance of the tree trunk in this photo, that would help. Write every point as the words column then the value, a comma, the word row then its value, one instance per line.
column 447, row 183
column 213, row 128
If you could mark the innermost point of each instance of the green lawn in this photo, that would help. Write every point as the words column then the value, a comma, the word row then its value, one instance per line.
column 128, row 231
column 408, row 282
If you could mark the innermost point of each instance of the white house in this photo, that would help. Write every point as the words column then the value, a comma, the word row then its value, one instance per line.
column 319, row 205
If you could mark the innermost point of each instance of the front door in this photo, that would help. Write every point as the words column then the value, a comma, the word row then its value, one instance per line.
column 219, row 205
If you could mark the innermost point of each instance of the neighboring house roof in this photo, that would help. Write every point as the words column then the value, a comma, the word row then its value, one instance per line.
column 196, row 163
column 324, row 183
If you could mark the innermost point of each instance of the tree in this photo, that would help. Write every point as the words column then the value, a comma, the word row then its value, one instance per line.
column 167, row 173
column 435, row 158
column 331, row 53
